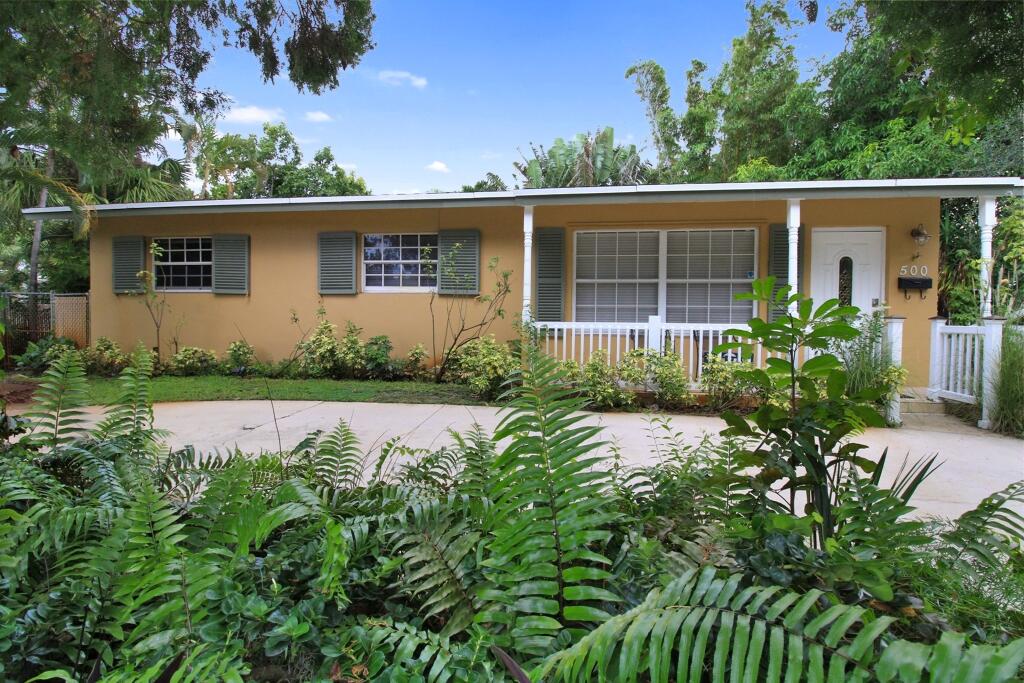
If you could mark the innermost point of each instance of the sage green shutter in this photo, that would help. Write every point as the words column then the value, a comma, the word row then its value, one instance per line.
column 458, row 263
column 129, row 258
column 778, row 259
column 230, row 264
column 336, row 262
column 550, row 244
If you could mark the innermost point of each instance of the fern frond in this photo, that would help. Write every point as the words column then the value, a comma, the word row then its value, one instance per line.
column 551, row 516
column 871, row 517
column 439, row 562
column 131, row 416
column 436, row 470
column 57, row 416
column 408, row 653
column 988, row 533
column 337, row 460
column 476, row 455
column 185, row 473
column 706, row 627
column 103, row 464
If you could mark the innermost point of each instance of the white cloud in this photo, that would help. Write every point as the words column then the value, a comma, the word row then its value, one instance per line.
column 347, row 166
column 411, row 190
column 438, row 166
column 253, row 114
column 318, row 117
column 402, row 78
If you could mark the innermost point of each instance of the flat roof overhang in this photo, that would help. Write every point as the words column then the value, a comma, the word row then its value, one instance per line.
column 630, row 194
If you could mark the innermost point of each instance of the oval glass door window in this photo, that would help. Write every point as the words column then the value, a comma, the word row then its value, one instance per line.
column 845, row 281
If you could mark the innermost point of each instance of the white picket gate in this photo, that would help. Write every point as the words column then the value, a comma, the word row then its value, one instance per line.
column 964, row 363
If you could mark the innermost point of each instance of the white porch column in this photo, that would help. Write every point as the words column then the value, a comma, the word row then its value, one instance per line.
column 936, row 359
column 527, row 261
column 793, row 229
column 894, row 347
column 991, row 350
column 987, row 222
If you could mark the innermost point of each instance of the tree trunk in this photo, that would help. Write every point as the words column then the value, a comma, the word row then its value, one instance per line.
column 37, row 232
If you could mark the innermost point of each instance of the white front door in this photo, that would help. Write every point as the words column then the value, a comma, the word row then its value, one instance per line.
column 847, row 264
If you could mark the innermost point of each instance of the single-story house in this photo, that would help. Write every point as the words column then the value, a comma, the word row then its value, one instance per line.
column 606, row 261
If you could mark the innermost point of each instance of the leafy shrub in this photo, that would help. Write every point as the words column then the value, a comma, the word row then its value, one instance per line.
column 241, row 358
column 962, row 303
column 724, row 383
column 376, row 359
column 671, row 381
column 40, row 354
column 486, row 365
column 600, row 383
column 866, row 359
column 414, row 367
column 352, row 352
column 323, row 354
column 1008, row 412
column 320, row 355
column 105, row 358
column 664, row 374
column 190, row 361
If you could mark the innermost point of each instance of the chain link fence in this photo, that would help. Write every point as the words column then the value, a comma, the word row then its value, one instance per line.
column 30, row 316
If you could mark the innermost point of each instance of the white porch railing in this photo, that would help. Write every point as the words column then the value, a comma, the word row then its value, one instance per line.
column 964, row 363
column 694, row 343
column 567, row 341
column 578, row 341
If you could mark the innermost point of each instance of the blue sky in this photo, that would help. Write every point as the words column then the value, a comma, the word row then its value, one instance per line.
column 456, row 89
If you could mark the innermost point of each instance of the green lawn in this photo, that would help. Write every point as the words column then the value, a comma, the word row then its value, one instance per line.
column 216, row 388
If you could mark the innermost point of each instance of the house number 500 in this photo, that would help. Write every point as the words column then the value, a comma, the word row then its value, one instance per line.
column 914, row 270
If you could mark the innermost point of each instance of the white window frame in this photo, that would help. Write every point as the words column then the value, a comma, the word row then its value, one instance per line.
column 662, row 280
column 393, row 289
column 183, row 290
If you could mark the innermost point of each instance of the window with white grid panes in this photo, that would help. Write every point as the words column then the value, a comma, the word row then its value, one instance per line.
column 183, row 263
column 399, row 261
column 616, row 276
column 706, row 269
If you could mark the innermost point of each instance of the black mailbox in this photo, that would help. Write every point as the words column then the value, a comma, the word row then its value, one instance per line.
column 915, row 283
column 908, row 284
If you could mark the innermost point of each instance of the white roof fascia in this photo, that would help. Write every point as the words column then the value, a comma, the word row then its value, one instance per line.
column 697, row 192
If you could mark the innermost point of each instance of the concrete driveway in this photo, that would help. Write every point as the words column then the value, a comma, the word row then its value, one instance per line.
column 976, row 463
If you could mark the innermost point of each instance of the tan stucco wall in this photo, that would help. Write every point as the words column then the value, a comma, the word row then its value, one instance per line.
column 283, row 278
column 283, row 269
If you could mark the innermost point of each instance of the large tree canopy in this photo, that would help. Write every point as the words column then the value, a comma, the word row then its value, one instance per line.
column 271, row 166
column 89, row 87
column 894, row 102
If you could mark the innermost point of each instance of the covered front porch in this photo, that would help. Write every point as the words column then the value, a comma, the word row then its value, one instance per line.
column 620, row 278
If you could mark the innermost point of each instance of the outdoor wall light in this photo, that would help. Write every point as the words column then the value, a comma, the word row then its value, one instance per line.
column 920, row 235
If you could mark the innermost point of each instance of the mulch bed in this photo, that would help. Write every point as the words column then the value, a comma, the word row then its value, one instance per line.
column 16, row 392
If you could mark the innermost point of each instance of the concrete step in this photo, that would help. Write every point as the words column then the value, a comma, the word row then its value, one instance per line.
column 921, row 406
